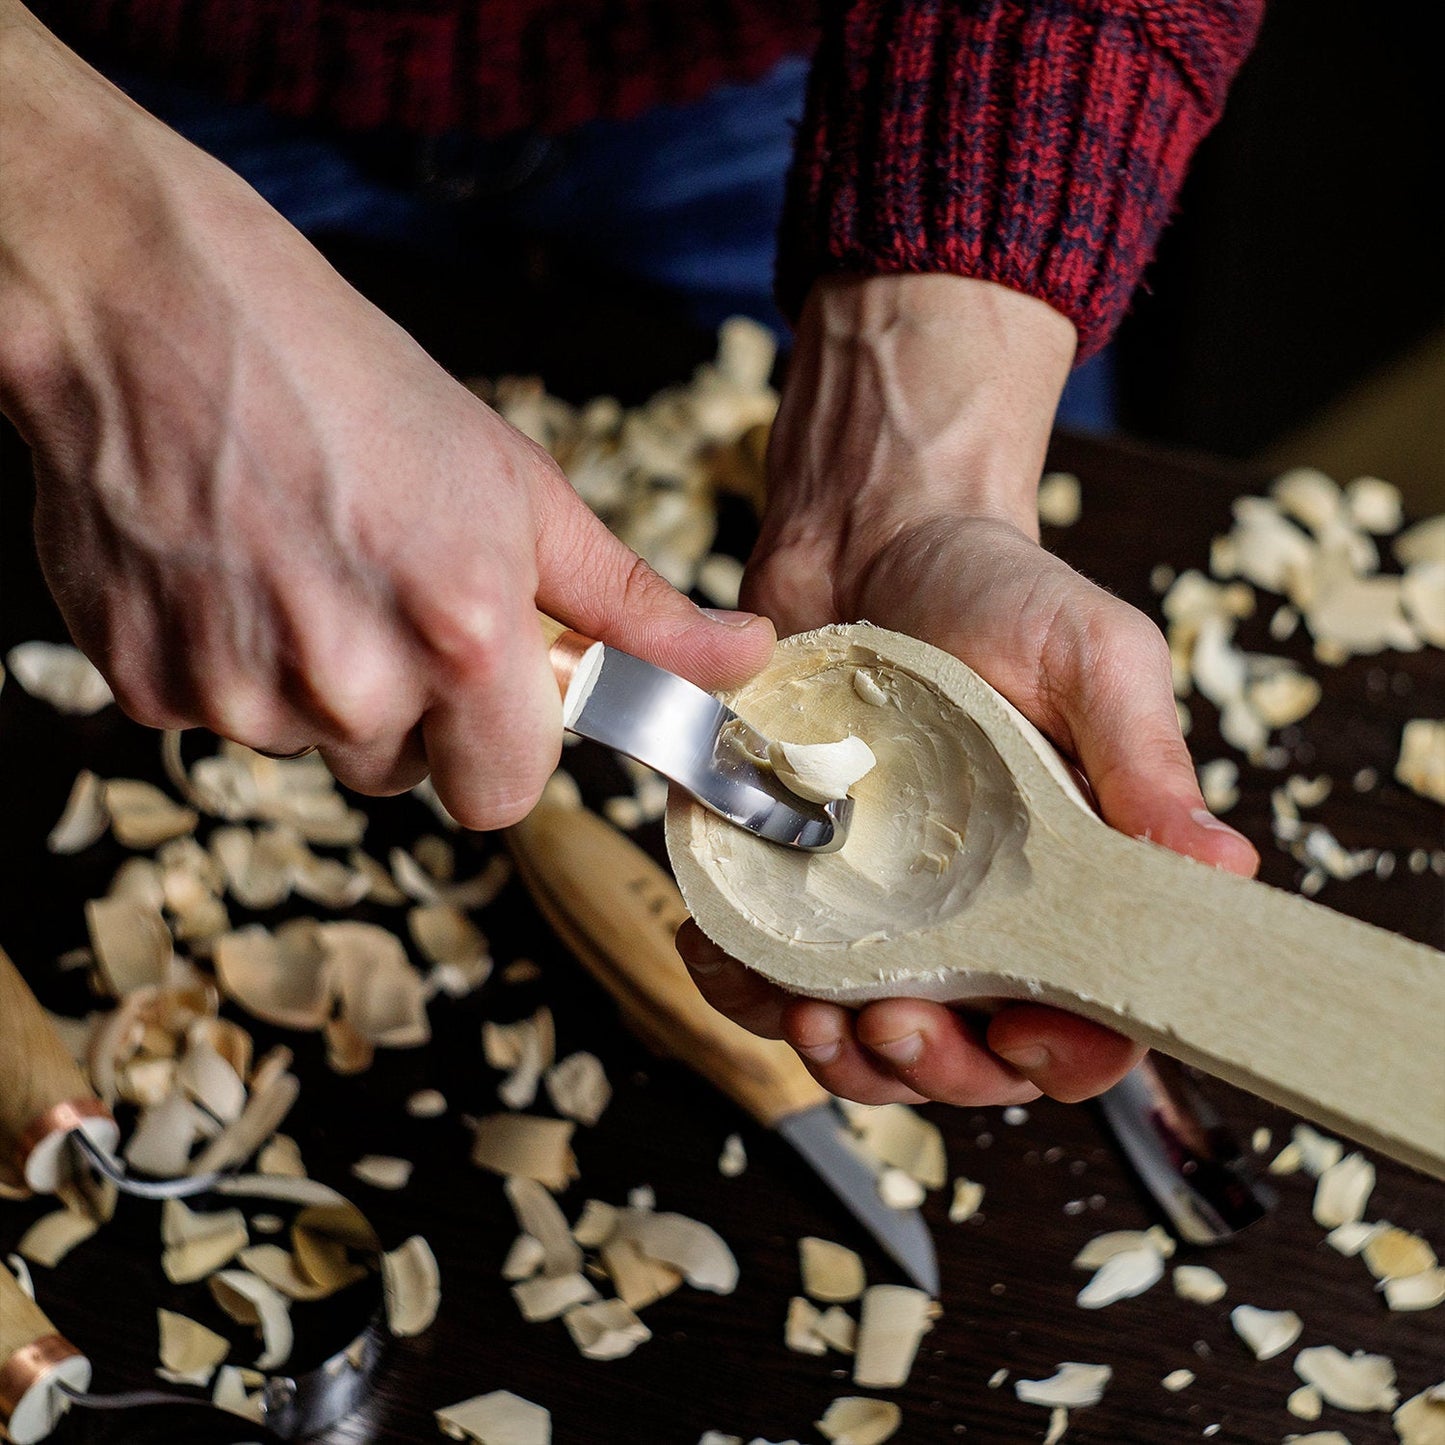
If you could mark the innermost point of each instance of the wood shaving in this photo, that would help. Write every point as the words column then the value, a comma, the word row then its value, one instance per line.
column 545, row 1297
column 143, row 817
column 596, row 1224
column 1104, row 1247
column 1318, row 1152
column 197, row 1244
column 282, row 1271
column 270, row 1102
column 383, row 1171
column 1350, row 1239
column 1349, row 1382
column 1074, row 1386
column 1422, row 591
column 1421, row 1419
column 61, row 675
column 821, row 772
column 832, row 1273
column 688, row 1245
column 282, row 1156
column 1267, row 1332
column 1058, row 1425
column 733, row 1159
column 1343, row 1191
column 1421, row 765
column 412, row 1285
column 1424, row 542
column 1060, row 500
column 1374, row 505
column 891, row 1326
column 525, row 1144
column 638, row 1279
column 251, row 1301
column 450, row 940
column 1123, row 1276
column 1305, row 1403
column 1423, row 1291
column 84, row 818
column 1177, row 1380
column 539, row 1216
column 500, row 1418
column 426, row 1104
column 1199, row 1283
column 161, row 1142
column 189, row 1351
column 380, row 997
column 53, row 1236
column 1219, row 782
column 720, row 579
column 837, row 1329
column 854, row 1420
column 966, row 1202
column 899, row 1190
column 523, row 1259
column 893, row 1134
column 578, row 1087
column 240, row 1392
column 131, row 942
column 605, row 1329
column 281, row 977
column 211, row 1081
column 1395, row 1254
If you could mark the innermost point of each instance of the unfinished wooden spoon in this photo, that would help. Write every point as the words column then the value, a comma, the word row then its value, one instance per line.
column 975, row 869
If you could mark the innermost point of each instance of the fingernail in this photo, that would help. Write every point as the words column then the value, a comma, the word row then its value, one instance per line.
column 821, row 1053
column 1205, row 819
column 727, row 618
column 900, row 1051
column 1027, row 1059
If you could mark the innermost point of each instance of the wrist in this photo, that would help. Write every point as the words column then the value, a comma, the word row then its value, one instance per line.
column 917, row 395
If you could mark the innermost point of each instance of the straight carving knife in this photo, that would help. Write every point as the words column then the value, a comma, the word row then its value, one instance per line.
column 618, row 911
column 686, row 735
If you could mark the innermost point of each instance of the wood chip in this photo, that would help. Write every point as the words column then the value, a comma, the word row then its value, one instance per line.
column 61, row 675
column 251, row 1301
column 545, row 1297
column 539, row 1216
column 605, row 1329
column 900, row 1190
column 143, row 817
column 1103, row 1247
column 412, row 1285
column 1199, row 1283
column 189, row 1351
column 500, row 1418
column 1343, row 1191
column 450, row 940
column 891, row 1326
column 1122, row 1276
column 525, row 1144
column 596, row 1224
column 1177, row 1380
column 1349, row 1382
column 854, row 1420
column 1072, row 1385
column 196, row 1243
column 1305, row 1403
column 280, row 977
column 161, row 1142
column 84, row 818
column 211, row 1081
column 638, row 1279
column 578, row 1087
column 1424, row 542
column 693, row 1248
column 1395, row 1253
column 895, row 1135
column 1422, row 591
column 131, row 942
column 282, row 1156
column 54, row 1235
column 426, row 1104
column 523, row 1259
column 733, row 1159
column 831, row 1272
column 383, row 1171
column 1421, row 765
column 379, row 995
column 1267, row 1332
column 1421, row 1419
column 1423, row 1291
column 1060, row 499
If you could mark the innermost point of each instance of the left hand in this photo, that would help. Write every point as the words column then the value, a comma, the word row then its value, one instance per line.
column 903, row 489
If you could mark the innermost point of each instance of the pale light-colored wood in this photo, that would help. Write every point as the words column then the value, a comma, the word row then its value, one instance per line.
column 1325, row 1015
column 551, row 628
column 22, row 1321
column 36, row 1073
column 618, row 912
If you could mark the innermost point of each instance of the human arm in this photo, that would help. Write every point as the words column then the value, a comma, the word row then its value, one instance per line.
column 260, row 506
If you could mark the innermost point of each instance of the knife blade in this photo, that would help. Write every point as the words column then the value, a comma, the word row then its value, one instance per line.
column 687, row 735
column 618, row 911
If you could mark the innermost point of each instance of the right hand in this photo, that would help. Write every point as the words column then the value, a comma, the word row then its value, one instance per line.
column 263, row 509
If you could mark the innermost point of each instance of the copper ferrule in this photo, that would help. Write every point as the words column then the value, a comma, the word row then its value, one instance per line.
column 62, row 1118
column 565, row 654
column 29, row 1365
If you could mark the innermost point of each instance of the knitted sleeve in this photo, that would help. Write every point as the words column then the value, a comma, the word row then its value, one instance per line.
column 1039, row 145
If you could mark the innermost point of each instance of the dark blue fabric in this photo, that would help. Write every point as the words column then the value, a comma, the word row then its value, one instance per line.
column 684, row 197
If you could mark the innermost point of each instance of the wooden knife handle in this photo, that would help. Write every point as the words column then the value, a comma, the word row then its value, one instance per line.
column 43, row 1094
column 618, row 911
column 32, row 1357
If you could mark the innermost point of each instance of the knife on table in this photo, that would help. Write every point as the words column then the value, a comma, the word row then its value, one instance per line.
column 618, row 912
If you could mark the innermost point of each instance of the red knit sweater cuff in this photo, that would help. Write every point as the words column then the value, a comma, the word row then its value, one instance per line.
column 1038, row 145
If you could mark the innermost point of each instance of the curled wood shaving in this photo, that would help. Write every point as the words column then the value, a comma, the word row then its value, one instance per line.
column 131, row 942
column 891, row 1326
column 1423, row 1291
column 197, row 1244
column 1072, row 1385
column 831, row 1272
column 1267, row 1332
column 189, row 1351
column 500, row 1418
column 240, row 1392
column 578, row 1087
column 281, row 1270
column 1343, row 1191
column 1374, row 505
column 1422, row 591
column 1349, row 1382
column 1350, row 1239
column 251, row 1301
column 267, row 1107
column 1318, row 1152
column 61, row 675
column 282, row 1156
column 1219, row 782
column 280, row 977
column 54, row 1235
column 854, row 1420
column 821, row 772
column 693, row 1248
column 211, row 1081
column 1104, row 1247
column 539, row 1216
column 412, row 1284
column 1123, row 1276
column 142, row 816
column 525, row 1144
column 605, row 1329
column 453, row 944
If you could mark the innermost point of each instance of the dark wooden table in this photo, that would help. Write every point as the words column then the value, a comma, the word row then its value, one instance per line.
column 719, row 1363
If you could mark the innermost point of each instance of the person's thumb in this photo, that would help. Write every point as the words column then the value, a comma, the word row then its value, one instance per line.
column 595, row 584
column 1111, row 682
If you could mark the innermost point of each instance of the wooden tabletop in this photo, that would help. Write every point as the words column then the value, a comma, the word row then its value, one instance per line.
column 1052, row 1181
